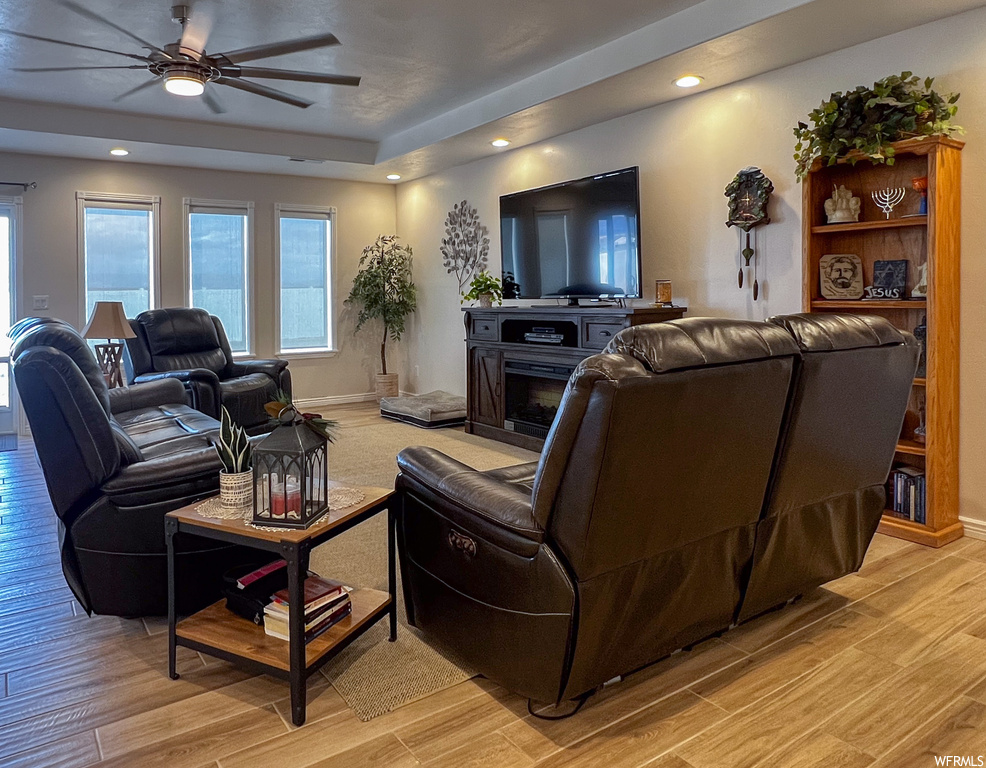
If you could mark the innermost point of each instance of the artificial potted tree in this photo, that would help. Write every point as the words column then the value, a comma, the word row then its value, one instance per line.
column 383, row 290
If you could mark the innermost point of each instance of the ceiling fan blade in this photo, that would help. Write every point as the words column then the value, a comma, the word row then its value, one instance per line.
column 290, row 74
column 93, row 16
column 71, row 45
column 196, row 28
column 263, row 90
column 212, row 102
column 278, row 49
column 73, row 69
column 141, row 87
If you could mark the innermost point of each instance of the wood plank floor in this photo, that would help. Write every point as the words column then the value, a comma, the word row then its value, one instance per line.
column 883, row 668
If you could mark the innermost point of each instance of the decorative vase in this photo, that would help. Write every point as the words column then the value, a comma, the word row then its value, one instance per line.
column 236, row 489
column 387, row 386
column 486, row 300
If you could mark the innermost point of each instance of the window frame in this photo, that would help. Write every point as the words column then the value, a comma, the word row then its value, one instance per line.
column 192, row 205
column 15, row 205
column 284, row 210
column 150, row 203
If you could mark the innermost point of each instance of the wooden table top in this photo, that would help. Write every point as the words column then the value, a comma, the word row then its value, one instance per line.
column 332, row 519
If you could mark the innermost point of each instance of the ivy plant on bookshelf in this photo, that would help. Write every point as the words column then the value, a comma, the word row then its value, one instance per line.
column 929, row 440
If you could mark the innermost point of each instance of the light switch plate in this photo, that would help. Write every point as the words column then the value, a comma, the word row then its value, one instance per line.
column 40, row 302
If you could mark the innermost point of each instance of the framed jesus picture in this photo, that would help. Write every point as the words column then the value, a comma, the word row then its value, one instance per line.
column 841, row 276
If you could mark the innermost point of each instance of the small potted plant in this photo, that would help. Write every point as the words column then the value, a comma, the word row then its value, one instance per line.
column 236, row 455
column 485, row 289
column 383, row 289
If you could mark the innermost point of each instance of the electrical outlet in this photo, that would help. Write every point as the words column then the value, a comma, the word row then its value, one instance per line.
column 40, row 302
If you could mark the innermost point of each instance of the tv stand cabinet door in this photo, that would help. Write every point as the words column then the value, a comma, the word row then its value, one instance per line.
column 486, row 386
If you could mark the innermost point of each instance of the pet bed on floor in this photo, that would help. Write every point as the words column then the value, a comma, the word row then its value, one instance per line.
column 429, row 411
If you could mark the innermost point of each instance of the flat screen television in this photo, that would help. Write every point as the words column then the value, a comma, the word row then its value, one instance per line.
column 577, row 239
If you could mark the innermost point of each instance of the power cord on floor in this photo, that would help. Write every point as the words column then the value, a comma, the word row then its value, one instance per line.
column 581, row 702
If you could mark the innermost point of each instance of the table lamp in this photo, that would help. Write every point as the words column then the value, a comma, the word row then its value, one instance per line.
column 109, row 321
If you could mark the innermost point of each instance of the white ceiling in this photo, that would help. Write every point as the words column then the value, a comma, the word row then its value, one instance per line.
column 441, row 78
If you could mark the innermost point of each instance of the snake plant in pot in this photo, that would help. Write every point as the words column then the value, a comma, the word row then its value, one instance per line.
column 236, row 455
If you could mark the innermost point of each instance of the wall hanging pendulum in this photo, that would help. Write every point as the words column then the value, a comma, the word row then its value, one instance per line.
column 748, row 194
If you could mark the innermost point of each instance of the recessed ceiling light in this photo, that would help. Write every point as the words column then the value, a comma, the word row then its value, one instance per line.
column 394, row 176
column 500, row 143
column 184, row 81
column 688, row 81
column 119, row 152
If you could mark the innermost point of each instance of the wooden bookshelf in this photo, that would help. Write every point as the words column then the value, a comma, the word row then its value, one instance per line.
column 933, row 238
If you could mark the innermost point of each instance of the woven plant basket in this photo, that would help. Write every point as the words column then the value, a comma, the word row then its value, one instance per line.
column 236, row 490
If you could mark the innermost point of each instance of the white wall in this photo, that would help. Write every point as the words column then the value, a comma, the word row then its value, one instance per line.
column 688, row 151
column 50, row 252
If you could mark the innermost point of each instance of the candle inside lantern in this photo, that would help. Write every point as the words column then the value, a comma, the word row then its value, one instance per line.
column 285, row 499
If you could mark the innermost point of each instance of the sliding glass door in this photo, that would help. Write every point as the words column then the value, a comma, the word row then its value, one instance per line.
column 8, row 221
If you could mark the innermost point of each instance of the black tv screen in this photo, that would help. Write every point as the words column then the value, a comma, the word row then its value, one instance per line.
column 577, row 239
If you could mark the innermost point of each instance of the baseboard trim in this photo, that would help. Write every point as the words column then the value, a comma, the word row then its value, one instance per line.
column 974, row 529
column 319, row 402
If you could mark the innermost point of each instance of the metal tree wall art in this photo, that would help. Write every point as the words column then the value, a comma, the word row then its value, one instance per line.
column 466, row 244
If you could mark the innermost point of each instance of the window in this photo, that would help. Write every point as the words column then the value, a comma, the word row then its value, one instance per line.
column 218, row 243
column 304, row 268
column 9, row 216
column 118, row 246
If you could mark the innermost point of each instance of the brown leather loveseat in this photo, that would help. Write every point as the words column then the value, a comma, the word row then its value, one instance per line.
column 699, row 472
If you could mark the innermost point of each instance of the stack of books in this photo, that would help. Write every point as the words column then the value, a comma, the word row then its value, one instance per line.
column 327, row 602
column 907, row 494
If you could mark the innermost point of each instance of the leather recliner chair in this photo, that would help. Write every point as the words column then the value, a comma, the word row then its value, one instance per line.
column 827, row 494
column 115, row 462
column 636, row 532
column 190, row 345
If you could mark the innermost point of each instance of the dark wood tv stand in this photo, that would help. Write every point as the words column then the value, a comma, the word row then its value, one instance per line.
column 518, row 360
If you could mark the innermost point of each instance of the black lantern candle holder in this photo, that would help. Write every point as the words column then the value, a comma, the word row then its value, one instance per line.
column 290, row 476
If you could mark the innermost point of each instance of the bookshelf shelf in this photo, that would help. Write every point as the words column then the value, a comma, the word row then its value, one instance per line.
column 932, row 239
column 862, row 305
column 911, row 447
column 863, row 226
column 218, row 627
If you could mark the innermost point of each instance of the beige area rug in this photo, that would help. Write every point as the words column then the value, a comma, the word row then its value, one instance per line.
column 375, row 676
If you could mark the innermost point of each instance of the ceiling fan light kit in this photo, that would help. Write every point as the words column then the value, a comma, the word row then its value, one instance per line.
column 185, row 68
column 183, row 80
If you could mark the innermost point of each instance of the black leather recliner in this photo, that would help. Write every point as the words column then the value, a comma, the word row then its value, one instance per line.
column 652, row 505
column 190, row 345
column 115, row 462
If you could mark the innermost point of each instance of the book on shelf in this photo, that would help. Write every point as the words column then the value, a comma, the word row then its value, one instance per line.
column 281, row 610
column 279, row 627
column 327, row 602
column 318, row 591
column 260, row 573
column 908, row 491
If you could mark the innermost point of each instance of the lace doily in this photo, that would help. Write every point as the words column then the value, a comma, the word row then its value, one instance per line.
column 339, row 498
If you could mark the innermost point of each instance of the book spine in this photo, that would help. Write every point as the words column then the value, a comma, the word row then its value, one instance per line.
column 245, row 581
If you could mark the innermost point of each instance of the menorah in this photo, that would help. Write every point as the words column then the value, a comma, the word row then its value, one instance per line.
column 888, row 199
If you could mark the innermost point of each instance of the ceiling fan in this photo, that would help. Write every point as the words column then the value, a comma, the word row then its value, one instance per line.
column 185, row 68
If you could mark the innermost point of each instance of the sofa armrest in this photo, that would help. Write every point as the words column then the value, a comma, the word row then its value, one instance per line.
column 492, row 509
column 201, row 384
column 272, row 368
column 146, row 395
